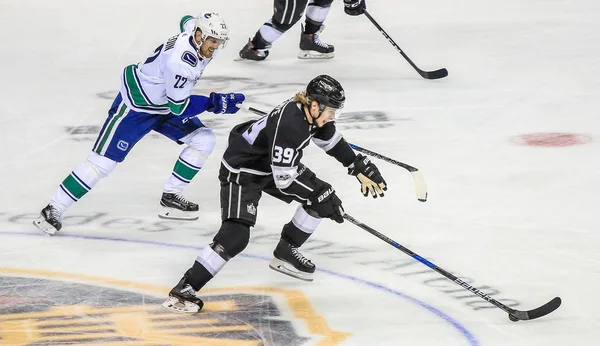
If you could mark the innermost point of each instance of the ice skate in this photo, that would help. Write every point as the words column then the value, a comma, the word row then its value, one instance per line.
column 311, row 46
column 288, row 260
column 251, row 53
column 176, row 207
column 49, row 220
column 183, row 299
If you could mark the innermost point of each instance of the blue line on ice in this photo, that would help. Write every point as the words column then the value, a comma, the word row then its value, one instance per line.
column 454, row 323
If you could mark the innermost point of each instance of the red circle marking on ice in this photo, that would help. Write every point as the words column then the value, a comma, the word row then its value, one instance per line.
column 552, row 139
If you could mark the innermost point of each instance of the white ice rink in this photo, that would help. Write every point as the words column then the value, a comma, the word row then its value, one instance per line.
column 517, row 221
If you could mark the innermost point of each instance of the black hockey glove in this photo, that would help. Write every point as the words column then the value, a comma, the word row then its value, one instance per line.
column 368, row 175
column 327, row 204
column 355, row 7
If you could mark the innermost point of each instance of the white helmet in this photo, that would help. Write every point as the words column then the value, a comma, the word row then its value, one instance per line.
column 212, row 25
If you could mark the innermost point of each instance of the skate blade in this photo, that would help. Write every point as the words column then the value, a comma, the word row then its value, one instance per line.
column 41, row 223
column 175, row 214
column 175, row 305
column 287, row 269
column 239, row 58
column 312, row 55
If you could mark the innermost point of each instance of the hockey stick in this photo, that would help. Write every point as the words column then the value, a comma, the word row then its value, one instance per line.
column 420, row 187
column 437, row 74
column 513, row 314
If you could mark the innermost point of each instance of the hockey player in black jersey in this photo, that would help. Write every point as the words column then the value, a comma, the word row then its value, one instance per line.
column 265, row 155
column 286, row 14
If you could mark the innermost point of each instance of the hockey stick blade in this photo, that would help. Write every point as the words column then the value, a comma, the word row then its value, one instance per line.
column 516, row 315
column 420, row 187
column 437, row 74
column 513, row 315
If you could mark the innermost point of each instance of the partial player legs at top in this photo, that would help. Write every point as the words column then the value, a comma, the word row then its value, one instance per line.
column 287, row 13
column 311, row 46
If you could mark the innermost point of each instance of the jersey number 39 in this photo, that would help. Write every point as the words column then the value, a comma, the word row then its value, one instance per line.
column 282, row 155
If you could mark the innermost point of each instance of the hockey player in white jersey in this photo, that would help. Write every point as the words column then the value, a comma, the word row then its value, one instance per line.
column 155, row 95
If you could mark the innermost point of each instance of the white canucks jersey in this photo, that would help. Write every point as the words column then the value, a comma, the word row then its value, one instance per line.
column 163, row 83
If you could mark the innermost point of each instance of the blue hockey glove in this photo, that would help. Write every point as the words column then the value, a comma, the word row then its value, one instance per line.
column 225, row 103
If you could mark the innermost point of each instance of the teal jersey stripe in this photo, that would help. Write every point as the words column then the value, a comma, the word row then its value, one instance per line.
column 178, row 108
column 183, row 20
column 184, row 171
column 74, row 187
column 134, row 89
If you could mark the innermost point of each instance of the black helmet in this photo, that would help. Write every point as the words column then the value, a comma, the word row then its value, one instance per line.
column 327, row 91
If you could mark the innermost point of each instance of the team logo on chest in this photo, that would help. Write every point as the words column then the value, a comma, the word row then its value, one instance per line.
column 251, row 209
column 190, row 58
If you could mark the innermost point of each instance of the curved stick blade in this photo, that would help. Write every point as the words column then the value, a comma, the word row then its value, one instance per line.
column 437, row 74
column 420, row 186
column 537, row 312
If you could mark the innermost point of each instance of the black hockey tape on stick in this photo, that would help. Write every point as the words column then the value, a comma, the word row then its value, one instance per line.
column 513, row 314
column 437, row 74
column 420, row 186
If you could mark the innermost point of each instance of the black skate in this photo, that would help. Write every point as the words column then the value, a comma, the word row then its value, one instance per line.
column 251, row 53
column 311, row 47
column 49, row 220
column 183, row 299
column 176, row 207
column 288, row 260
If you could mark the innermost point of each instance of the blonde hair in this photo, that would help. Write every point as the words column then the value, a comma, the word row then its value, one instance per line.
column 301, row 97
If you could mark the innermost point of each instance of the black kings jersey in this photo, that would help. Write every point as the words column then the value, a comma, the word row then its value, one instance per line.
column 273, row 145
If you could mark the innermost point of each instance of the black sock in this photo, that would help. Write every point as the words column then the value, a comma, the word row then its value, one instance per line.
column 197, row 276
column 258, row 41
column 310, row 27
column 293, row 235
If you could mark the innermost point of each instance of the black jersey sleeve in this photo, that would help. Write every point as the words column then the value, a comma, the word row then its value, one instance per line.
column 290, row 136
column 331, row 140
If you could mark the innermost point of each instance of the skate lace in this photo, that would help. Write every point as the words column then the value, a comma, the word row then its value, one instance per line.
column 299, row 257
column 188, row 289
column 55, row 213
column 318, row 41
column 182, row 200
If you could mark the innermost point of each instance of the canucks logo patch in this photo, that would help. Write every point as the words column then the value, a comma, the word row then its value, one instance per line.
column 122, row 145
column 190, row 58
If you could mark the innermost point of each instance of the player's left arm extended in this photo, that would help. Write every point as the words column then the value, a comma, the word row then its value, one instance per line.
column 330, row 139
column 333, row 143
